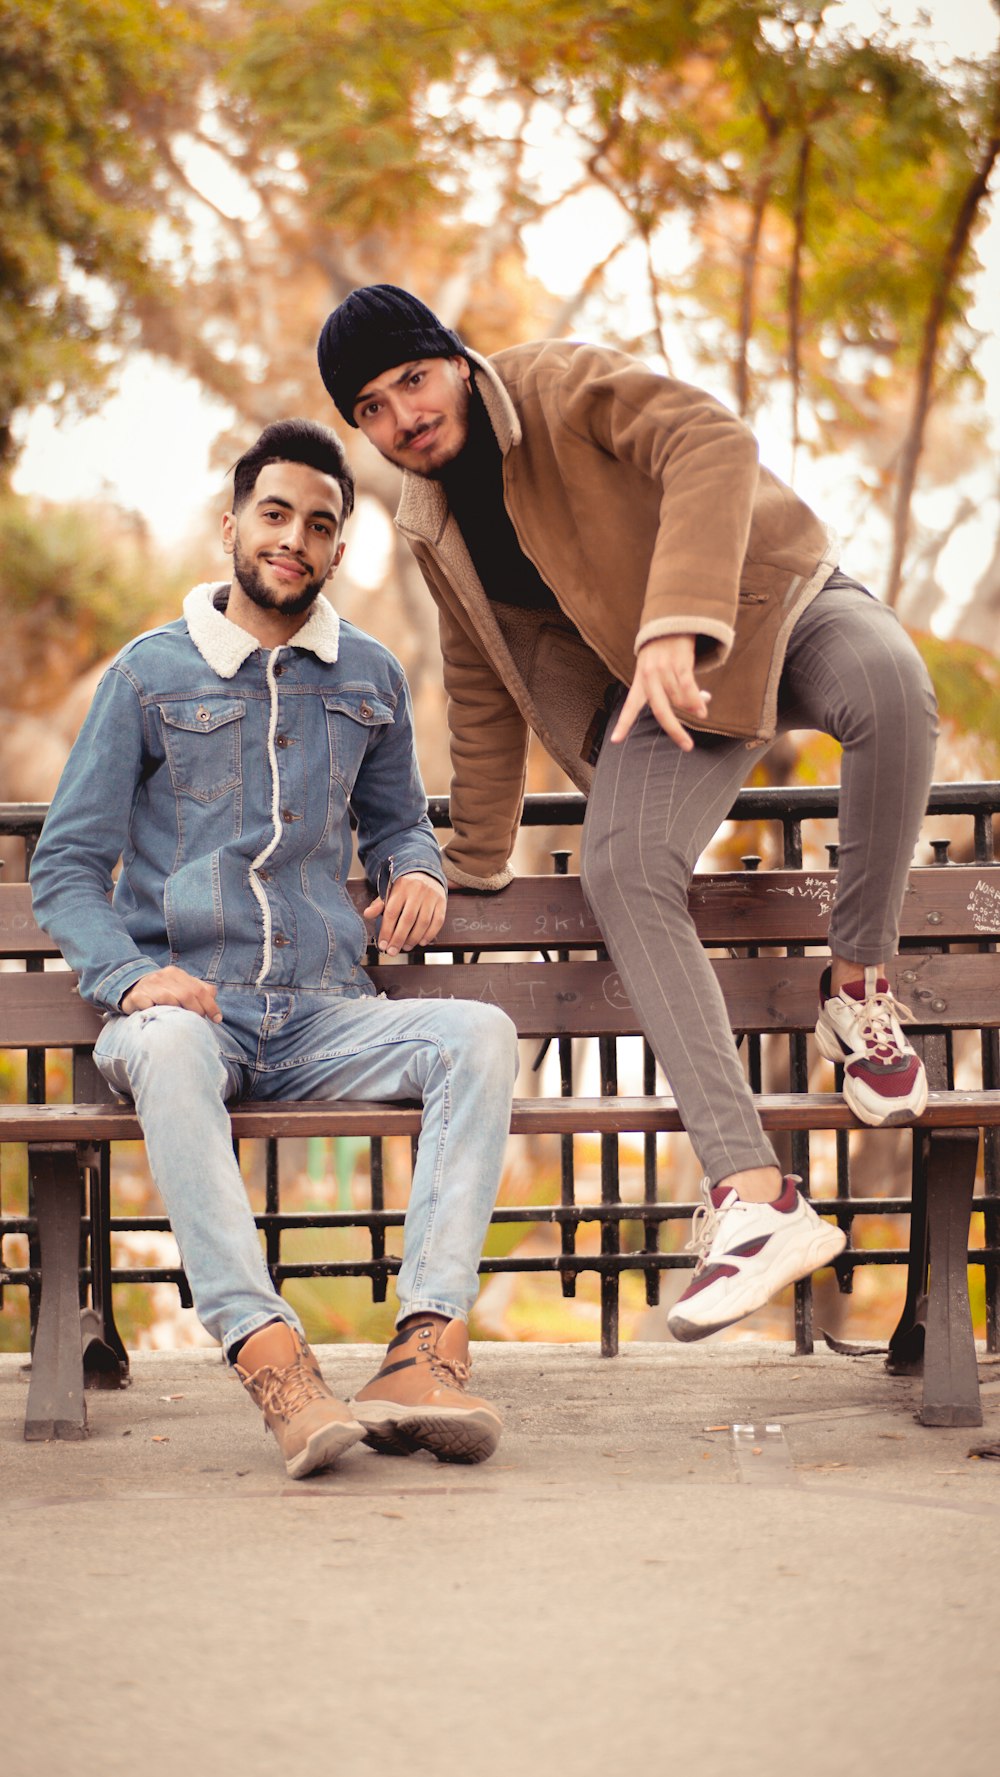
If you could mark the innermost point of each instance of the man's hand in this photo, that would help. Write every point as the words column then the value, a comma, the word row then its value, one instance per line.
column 664, row 679
column 173, row 987
column 412, row 914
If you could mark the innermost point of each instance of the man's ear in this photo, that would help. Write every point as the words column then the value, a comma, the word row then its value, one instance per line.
column 464, row 368
column 334, row 565
column 228, row 533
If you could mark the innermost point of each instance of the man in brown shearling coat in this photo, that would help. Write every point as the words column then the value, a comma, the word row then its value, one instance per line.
column 615, row 571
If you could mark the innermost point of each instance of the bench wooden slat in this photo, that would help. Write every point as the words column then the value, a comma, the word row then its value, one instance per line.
column 767, row 994
column 19, row 934
column 735, row 907
column 636, row 1115
column 585, row 998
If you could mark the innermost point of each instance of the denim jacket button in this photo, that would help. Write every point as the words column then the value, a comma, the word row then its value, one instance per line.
column 367, row 711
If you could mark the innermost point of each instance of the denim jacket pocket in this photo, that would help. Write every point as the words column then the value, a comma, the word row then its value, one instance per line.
column 353, row 716
column 201, row 738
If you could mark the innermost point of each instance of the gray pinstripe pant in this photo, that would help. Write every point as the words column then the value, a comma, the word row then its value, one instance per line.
column 852, row 672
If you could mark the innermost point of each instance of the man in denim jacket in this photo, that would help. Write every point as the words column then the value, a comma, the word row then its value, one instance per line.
column 221, row 760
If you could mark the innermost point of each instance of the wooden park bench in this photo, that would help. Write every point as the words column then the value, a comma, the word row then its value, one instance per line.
column 535, row 950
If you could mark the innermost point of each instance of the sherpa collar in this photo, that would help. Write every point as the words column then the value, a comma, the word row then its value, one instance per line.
column 225, row 646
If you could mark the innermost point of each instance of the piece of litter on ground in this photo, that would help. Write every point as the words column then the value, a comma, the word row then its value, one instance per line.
column 898, row 1435
column 762, row 1455
column 390, row 1514
column 160, row 1440
column 170, row 1397
column 715, row 1428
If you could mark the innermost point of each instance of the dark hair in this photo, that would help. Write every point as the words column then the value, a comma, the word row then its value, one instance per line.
column 294, row 441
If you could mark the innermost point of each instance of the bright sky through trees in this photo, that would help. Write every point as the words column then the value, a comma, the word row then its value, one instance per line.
column 148, row 447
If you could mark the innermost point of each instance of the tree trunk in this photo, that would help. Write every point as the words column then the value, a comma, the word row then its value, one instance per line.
column 748, row 279
column 749, row 261
column 933, row 325
column 795, row 288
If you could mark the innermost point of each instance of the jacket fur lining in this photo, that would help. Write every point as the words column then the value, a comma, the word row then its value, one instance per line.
column 225, row 646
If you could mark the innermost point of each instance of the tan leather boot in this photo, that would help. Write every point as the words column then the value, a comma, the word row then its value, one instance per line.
column 419, row 1399
column 312, row 1428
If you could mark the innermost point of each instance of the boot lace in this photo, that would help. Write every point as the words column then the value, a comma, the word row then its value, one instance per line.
column 450, row 1369
column 283, row 1393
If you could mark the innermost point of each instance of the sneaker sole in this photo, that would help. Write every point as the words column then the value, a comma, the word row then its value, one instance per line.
column 324, row 1447
column 891, row 1119
column 826, row 1246
column 452, row 1434
column 872, row 1116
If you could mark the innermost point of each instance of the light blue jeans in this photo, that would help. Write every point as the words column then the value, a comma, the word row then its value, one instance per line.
column 457, row 1057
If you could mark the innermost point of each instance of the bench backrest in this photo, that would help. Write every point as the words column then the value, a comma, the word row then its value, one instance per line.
column 546, row 966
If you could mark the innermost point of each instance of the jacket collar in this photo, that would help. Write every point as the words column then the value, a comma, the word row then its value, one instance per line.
column 423, row 503
column 225, row 646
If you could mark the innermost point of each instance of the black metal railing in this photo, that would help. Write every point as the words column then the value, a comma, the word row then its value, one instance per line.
column 784, row 813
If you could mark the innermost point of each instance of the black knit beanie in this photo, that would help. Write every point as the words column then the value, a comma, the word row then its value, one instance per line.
column 374, row 329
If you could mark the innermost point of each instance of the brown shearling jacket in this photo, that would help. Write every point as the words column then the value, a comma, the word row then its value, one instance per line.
column 642, row 504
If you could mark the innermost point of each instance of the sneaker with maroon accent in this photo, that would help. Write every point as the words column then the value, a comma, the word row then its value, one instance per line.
column 747, row 1253
column 419, row 1399
column 861, row 1028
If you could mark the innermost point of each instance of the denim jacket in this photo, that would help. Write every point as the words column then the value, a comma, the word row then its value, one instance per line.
column 223, row 775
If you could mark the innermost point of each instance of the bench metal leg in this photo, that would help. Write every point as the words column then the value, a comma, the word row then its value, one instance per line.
column 105, row 1360
column 56, row 1406
column 906, row 1346
column 951, row 1376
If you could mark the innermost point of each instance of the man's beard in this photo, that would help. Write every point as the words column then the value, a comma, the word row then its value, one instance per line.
column 291, row 604
column 432, row 470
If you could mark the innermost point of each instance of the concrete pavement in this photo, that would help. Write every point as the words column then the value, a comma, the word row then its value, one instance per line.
column 629, row 1584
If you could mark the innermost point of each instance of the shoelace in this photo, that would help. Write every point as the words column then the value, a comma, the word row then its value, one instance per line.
column 452, row 1367
column 286, row 1392
column 875, row 1019
column 704, row 1227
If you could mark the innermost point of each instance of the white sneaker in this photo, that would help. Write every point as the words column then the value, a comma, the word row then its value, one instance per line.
column 860, row 1027
column 748, row 1252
